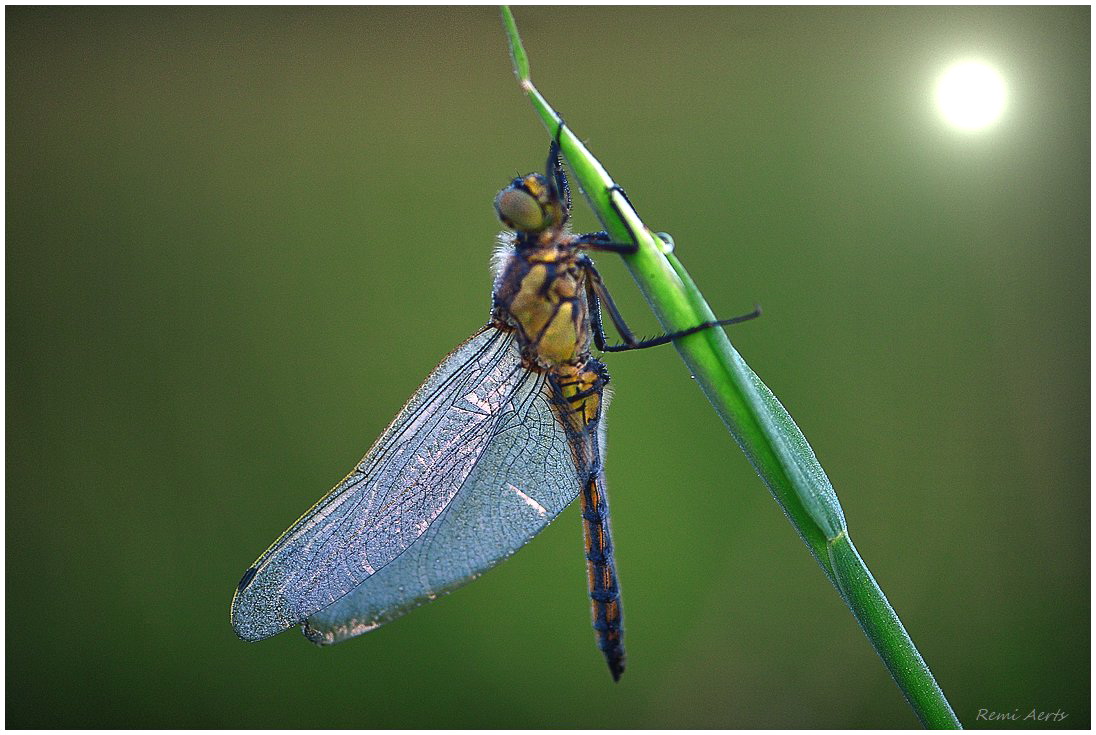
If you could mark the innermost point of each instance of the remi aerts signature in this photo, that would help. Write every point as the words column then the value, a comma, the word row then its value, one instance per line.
column 1019, row 715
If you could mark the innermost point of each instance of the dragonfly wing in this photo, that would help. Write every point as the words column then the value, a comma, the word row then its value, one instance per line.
column 444, row 486
column 524, row 478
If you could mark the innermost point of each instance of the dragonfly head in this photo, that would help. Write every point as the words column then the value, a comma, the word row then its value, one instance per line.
column 531, row 205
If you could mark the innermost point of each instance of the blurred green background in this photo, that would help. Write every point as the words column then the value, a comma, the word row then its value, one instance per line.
column 237, row 240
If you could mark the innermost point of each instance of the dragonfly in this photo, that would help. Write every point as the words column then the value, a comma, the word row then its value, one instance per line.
column 502, row 436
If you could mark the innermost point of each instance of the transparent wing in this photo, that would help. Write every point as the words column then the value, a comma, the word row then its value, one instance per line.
column 472, row 467
column 525, row 476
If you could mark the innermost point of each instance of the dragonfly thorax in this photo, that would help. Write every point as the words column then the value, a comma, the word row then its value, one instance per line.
column 541, row 294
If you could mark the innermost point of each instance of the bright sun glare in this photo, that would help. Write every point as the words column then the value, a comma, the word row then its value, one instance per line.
column 971, row 95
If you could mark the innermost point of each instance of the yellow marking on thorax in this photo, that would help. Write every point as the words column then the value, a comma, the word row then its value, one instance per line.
column 554, row 318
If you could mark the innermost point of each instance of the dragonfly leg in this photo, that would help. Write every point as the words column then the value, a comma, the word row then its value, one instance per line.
column 663, row 339
column 556, row 174
column 557, row 177
column 600, row 241
column 598, row 294
column 601, row 571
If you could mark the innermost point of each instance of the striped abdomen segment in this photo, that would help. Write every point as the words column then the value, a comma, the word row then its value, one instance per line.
column 604, row 591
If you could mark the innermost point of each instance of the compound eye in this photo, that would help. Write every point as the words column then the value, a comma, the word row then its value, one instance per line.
column 520, row 210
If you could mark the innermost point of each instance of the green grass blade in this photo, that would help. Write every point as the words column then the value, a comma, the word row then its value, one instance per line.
column 755, row 418
column 517, row 50
column 887, row 634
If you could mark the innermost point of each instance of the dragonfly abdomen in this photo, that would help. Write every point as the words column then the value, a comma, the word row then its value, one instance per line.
column 601, row 570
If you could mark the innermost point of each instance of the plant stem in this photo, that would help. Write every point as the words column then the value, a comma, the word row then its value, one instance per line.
column 755, row 418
